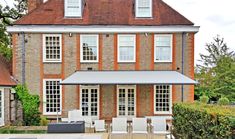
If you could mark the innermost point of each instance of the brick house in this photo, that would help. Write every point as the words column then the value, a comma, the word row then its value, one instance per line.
column 7, row 112
column 114, row 58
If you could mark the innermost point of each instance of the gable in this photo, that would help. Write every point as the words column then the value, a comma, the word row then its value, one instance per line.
column 103, row 12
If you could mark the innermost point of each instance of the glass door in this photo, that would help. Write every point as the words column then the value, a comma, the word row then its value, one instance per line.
column 89, row 101
column 126, row 99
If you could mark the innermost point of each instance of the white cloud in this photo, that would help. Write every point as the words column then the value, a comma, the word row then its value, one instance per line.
column 213, row 16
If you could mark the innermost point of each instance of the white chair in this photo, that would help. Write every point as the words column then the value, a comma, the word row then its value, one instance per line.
column 74, row 116
column 119, row 126
column 88, row 123
column 100, row 126
column 140, row 126
column 159, row 127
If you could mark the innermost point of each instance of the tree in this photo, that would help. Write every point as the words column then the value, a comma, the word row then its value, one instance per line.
column 7, row 16
column 216, row 50
column 216, row 74
column 223, row 83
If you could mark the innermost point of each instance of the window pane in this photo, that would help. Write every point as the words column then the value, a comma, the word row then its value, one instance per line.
column 143, row 3
column 144, row 8
column 126, row 48
column 53, row 94
column 52, row 48
column 163, row 48
column 163, row 53
column 162, row 98
column 73, row 8
column 144, row 11
column 89, row 46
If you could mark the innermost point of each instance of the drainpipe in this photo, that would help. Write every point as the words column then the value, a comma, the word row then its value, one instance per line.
column 23, row 57
column 183, row 46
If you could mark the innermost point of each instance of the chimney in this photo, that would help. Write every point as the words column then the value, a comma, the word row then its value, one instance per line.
column 33, row 4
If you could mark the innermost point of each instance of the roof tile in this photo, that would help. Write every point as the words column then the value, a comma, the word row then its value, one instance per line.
column 5, row 76
column 103, row 12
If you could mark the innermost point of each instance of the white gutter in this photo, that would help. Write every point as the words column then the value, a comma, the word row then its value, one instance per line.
column 101, row 29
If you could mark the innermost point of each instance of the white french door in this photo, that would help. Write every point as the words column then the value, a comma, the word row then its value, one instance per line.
column 126, row 101
column 89, row 101
column 1, row 107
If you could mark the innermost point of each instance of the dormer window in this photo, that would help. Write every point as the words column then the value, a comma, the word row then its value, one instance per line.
column 73, row 8
column 143, row 8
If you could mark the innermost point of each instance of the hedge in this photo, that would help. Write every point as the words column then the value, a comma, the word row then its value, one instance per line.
column 203, row 121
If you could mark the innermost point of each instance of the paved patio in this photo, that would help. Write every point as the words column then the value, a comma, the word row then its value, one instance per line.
column 74, row 136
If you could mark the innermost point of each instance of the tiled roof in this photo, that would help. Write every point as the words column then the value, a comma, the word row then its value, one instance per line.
column 103, row 12
column 5, row 76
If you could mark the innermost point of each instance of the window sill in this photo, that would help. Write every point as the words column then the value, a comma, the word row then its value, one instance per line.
column 163, row 113
column 162, row 61
column 89, row 62
column 52, row 62
column 126, row 62
column 51, row 114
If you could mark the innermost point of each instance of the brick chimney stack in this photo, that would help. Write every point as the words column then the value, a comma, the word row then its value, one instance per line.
column 33, row 4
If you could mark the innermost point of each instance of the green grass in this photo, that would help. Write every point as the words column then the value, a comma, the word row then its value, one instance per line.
column 12, row 130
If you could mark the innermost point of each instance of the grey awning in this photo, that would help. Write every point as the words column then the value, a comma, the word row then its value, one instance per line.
column 127, row 77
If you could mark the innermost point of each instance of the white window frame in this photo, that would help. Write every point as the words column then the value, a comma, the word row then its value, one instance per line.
column 66, row 14
column 170, row 101
column 89, row 95
column 44, row 97
column 126, row 87
column 126, row 35
column 2, row 108
column 138, row 15
column 44, row 48
column 155, row 45
column 81, row 48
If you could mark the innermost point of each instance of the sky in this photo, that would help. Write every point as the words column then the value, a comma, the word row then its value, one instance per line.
column 215, row 17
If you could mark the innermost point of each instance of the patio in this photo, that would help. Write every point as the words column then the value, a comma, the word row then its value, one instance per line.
column 72, row 136
column 89, row 134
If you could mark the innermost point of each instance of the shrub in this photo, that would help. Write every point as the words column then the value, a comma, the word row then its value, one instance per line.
column 43, row 121
column 30, row 103
column 204, row 99
column 223, row 101
column 203, row 121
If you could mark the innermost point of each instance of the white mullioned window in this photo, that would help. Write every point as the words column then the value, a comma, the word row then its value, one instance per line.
column 89, row 48
column 52, row 45
column 89, row 101
column 73, row 8
column 163, row 48
column 126, row 48
column 126, row 101
column 162, row 99
column 52, row 96
column 143, row 8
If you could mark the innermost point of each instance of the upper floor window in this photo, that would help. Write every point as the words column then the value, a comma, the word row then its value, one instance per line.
column 163, row 48
column 126, row 48
column 51, row 48
column 89, row 48
column 73, row 8
column 143, row 8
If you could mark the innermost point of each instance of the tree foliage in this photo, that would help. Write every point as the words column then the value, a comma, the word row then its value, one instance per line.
column 216, row 74
column 30, row 103
column 7, row 16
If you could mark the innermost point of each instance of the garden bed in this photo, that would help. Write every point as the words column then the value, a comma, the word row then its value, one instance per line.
column 23, row 130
